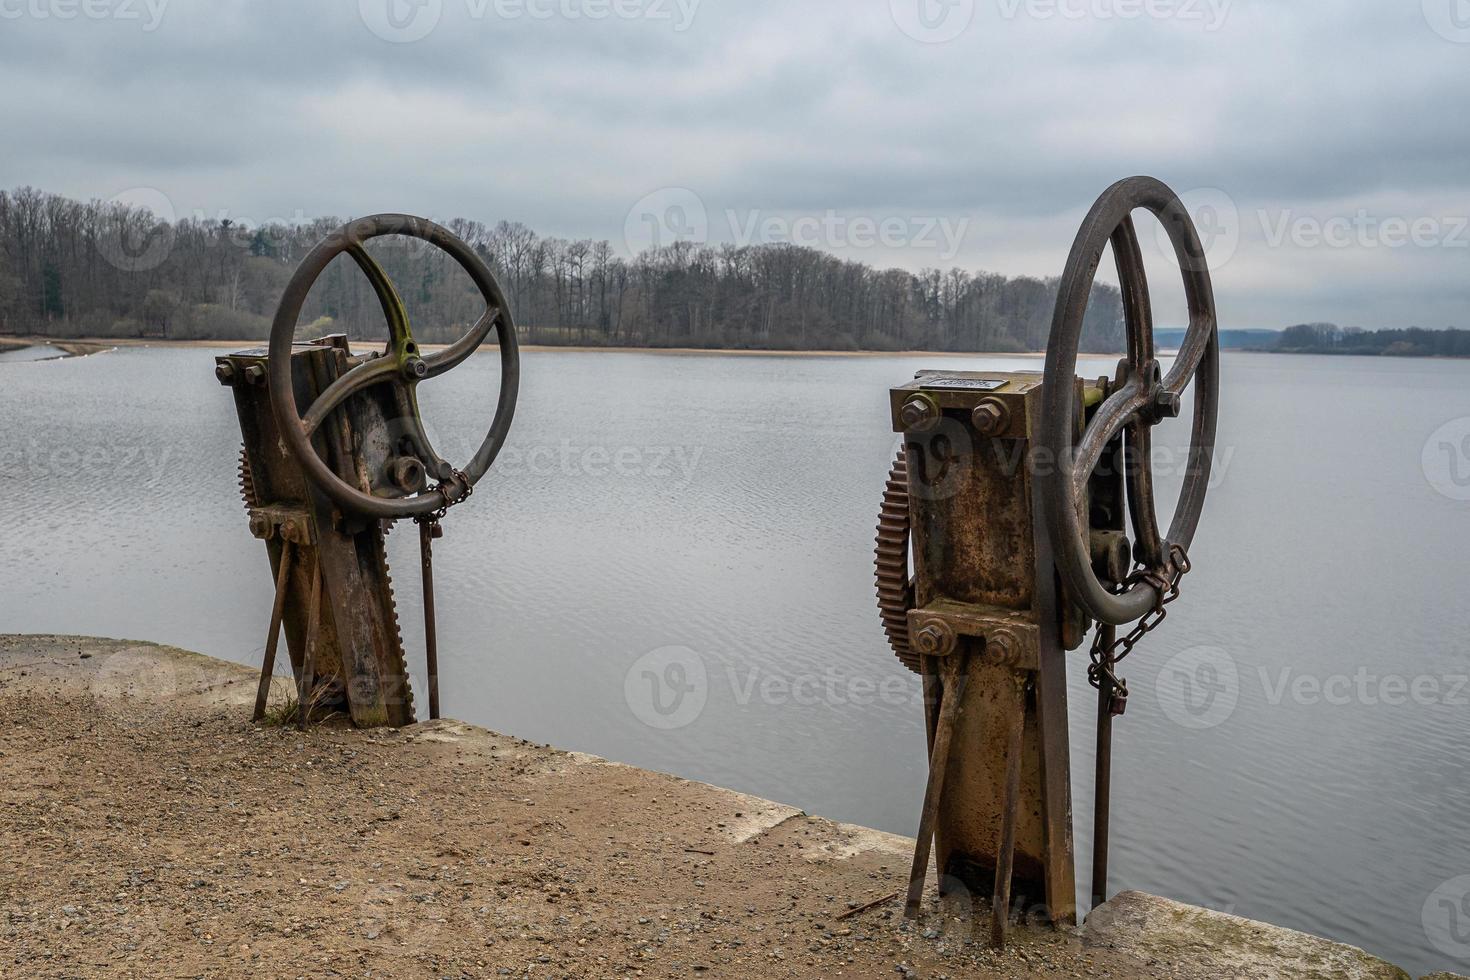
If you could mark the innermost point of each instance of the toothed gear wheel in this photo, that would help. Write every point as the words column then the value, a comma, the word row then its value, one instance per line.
column 891, row 565
column 247, row 481
column 400, row 659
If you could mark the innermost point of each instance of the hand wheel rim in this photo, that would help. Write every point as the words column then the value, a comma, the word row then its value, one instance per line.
column 283, row 400
column 1197, row 362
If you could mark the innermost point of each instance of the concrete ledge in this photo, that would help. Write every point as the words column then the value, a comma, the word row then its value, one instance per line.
column 1221, row 946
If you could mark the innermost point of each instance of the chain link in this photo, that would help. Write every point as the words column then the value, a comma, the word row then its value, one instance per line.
column 1106, row 657
column 466, row 488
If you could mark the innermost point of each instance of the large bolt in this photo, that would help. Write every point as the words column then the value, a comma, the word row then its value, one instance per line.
column 261, row 527
column 255, row 374
column 225, row 371
column 919, row 413
column 991, row 417
column 1111, row 555
column 407, row 474
column 1004, row 646
column 935, row 639
column 1166, row 404
column 414, row 369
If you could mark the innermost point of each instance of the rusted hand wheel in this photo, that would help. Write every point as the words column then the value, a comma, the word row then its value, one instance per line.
column 402, row 365
column 1143, row 399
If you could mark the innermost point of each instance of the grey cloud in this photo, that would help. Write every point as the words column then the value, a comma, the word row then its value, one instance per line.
column 270, row 108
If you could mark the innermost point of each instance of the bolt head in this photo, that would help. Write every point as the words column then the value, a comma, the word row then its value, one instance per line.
column 255, row 374
column 990, row 417
column 1166, row 404
column 225, row 372
column 919, row 413
column 407, row 474
column 414, row 369
column 935, row 640
column 1003, row 645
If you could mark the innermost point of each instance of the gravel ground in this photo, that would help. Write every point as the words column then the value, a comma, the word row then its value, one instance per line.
column 148, row 829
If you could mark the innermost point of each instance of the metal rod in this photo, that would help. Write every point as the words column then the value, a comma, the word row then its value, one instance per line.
column 1000, row 906
column 308, row 659
column 949, row 710
column 278, row 609
column 431, row 636
column 1103, row 783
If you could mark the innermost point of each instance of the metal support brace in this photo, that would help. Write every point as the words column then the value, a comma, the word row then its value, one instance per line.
column 278, row 610
column 428, row 531
column 953, row 677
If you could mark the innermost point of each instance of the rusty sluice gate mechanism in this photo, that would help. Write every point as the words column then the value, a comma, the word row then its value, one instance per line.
column 1013, row 499
column 336, row 452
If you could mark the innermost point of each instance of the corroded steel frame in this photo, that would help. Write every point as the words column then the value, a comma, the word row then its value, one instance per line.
column 991, row 630
column 357, row 657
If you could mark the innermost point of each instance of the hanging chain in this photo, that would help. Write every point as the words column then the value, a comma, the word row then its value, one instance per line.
column 455, row 490
column 1105, row 657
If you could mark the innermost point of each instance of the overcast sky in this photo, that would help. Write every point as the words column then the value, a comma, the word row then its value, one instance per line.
column 1324, row 143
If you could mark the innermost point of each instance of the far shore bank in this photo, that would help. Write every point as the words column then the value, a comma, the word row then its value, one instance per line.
column 109, row 342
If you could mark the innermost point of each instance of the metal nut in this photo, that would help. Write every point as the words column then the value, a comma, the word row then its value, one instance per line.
column 919, row 413
column 407, row 474
column 1003, row 645
column 255, row 374
column 414, row 369
column 935, row 639
column 261, row 527
column 991, row 417
column 225, row 371
column 1166, row 404
column 1111, row 555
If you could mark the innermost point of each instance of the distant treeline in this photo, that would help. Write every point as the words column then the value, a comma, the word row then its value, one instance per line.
column 103, row 269
column 1329, row 338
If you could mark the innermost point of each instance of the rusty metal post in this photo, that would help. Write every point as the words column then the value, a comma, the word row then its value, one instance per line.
column 305, row 693
column 1102, row 798
column 427, row 531
column 1000, row 907
column 951, row 695
column 278, row 609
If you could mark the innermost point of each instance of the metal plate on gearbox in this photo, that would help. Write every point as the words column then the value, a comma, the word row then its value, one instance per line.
column 967, row 384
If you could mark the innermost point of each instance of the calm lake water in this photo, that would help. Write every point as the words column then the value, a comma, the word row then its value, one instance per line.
column 1297, row 747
